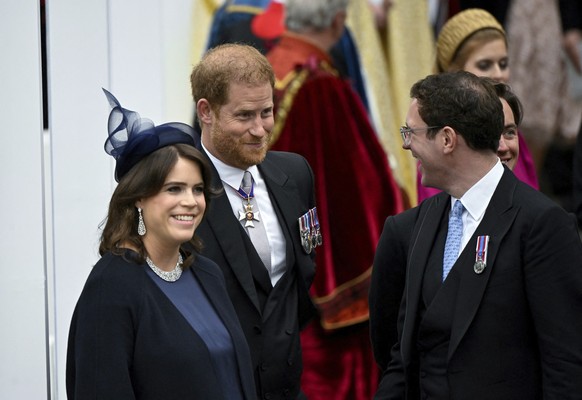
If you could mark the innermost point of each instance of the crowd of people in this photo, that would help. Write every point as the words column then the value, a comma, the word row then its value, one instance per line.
column 272, row 251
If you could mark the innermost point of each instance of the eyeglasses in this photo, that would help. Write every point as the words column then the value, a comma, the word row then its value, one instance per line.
column 406, row 132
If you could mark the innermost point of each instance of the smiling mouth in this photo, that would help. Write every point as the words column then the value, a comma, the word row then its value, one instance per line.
column 184, row 217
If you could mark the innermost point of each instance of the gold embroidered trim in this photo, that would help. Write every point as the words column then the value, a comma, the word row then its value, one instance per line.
column 347, row 305
column 244, row 9
column 327, row 67
column 343, row 287
column 293, row 82
column 211, row 5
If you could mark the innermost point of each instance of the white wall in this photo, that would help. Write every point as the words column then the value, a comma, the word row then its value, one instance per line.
column 56, row 186
column 23, row 366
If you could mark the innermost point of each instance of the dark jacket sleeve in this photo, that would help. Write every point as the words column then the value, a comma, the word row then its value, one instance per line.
column 577, row 175
column 388, row 301
column 570, row 14
column 388, row 282
column 553, row 277
column 387, row 286
column 101, row 338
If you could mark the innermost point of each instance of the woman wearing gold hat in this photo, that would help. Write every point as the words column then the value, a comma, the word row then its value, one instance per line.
column 473, row 40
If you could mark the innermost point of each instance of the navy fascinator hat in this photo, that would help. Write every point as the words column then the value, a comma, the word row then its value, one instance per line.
column 131, row 138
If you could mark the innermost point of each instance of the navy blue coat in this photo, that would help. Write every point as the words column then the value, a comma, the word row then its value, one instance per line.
column 128, row 341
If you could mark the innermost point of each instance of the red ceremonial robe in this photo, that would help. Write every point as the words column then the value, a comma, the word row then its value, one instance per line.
column 319, row 116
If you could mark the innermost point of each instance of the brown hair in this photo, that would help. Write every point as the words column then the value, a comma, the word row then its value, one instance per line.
column 226, row 64
column 144, row 180
column 504, row 91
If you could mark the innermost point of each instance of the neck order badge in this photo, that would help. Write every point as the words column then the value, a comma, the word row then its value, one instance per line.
column 246, row 191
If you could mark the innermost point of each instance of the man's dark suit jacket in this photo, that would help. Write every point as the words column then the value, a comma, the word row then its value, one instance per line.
column 516, row 329
column 270, row 318
column 388, row 281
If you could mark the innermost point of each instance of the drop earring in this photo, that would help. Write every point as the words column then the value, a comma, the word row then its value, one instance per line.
column 141, row 228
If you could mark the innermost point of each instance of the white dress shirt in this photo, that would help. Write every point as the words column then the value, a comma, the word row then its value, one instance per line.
column 476, row 200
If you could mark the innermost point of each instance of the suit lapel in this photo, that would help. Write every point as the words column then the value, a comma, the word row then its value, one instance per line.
column 226, row 227
column 282, row 198
column 422, row 241
column 282, row 195
column 496, row 222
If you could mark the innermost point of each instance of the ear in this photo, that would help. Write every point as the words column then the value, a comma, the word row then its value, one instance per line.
column 450, row 139
column 203, row 111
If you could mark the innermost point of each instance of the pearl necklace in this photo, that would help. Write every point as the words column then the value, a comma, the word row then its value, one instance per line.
column 168, row 276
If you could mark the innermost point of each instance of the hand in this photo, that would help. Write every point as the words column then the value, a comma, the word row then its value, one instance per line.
column 380, row 10
column 571, row 41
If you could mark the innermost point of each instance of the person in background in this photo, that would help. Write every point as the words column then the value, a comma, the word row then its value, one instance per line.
column 263, row 228
column 571, row 18
column 260, row 23
column 539, row 35
column 485, row 313
column 474, row 41
column 154, row 319
column 553, row 114
column 320, row 116
column 508, row 150
column 233, row 23
column 389, row 273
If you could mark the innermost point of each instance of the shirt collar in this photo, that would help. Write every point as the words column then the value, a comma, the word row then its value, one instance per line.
column 230, row 175
column 477, row 198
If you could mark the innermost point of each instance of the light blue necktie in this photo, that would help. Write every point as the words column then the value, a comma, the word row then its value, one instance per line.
column 454, row 235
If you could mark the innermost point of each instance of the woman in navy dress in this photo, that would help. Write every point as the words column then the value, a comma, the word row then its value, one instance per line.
column 154, row 320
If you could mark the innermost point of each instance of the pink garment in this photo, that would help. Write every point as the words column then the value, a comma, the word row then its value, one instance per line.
column 424, row 192
column 524, row 170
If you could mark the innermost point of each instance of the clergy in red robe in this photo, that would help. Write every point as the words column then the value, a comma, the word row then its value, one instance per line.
column 320, row 116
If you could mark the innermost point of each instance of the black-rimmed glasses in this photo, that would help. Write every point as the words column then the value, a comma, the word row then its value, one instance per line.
column 406, row 132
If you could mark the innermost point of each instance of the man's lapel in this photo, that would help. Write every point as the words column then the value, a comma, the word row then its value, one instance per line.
column 226, row 227
column 289, row 206
column 496, row 222
column 422, row 239
column 283, row 198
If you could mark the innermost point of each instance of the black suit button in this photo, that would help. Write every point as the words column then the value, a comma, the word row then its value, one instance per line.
column 257, row 329
column 267, row 396
column 289, row 331
column 423, row 374
column 289, row 361
column 263, row 367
